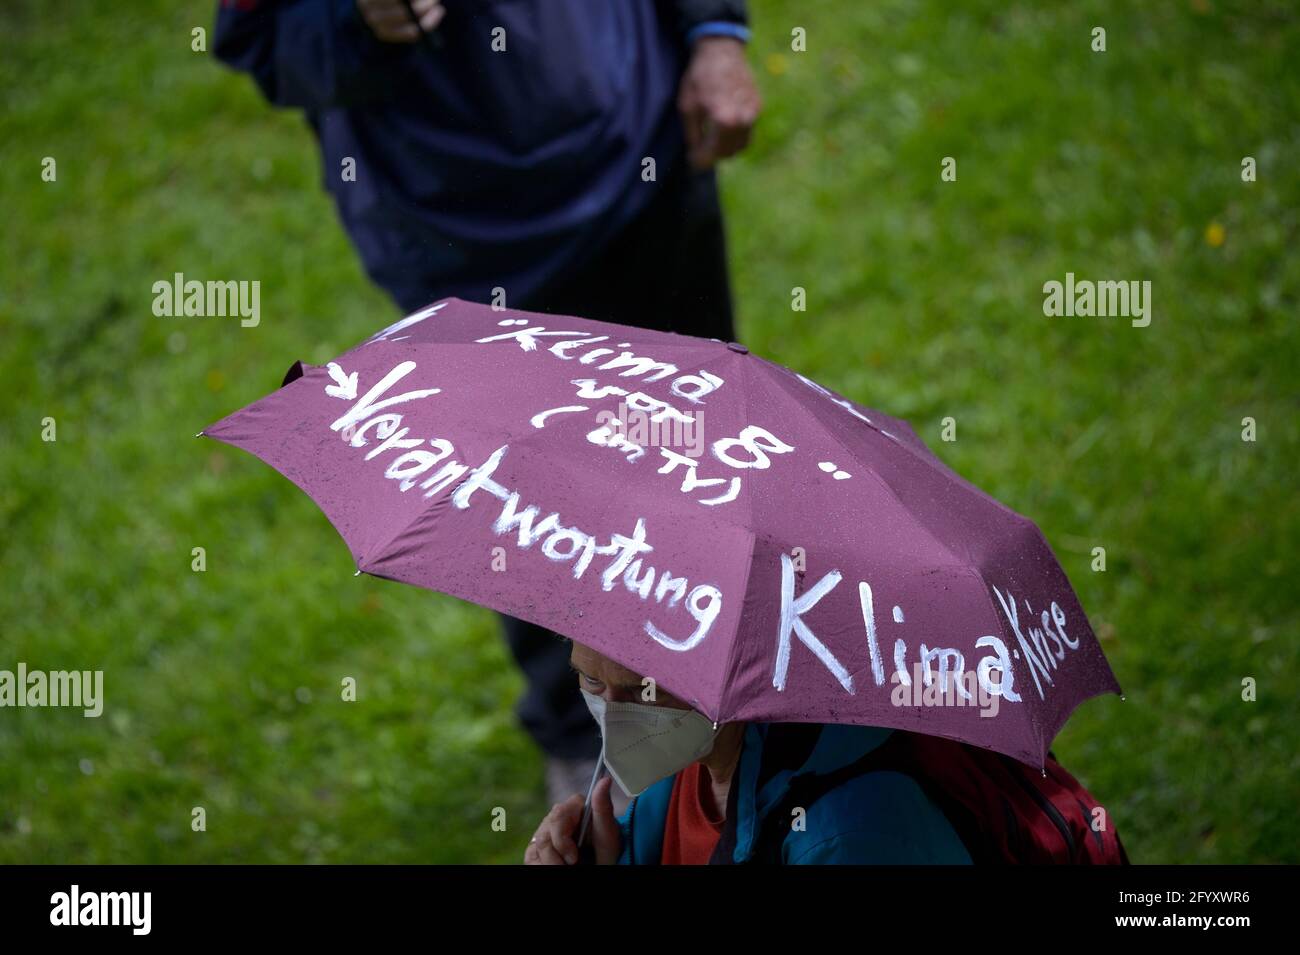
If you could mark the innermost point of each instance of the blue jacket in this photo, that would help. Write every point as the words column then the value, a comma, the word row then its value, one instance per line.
column 478, row 167
column 878, row 817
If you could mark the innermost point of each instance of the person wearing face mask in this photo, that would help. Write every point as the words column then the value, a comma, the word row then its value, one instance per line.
column 779, row 793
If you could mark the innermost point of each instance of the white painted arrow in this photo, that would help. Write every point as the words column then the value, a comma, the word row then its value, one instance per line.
column 345, row 386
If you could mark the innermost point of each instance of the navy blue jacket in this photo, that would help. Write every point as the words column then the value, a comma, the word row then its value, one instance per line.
column 478, row 168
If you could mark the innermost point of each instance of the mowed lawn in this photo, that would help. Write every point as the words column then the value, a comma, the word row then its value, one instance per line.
column 924, row 298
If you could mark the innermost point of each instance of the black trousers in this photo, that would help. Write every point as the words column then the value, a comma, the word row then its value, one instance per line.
column 666, row 271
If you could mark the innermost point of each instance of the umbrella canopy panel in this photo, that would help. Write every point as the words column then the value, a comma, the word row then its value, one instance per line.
column 760, row 546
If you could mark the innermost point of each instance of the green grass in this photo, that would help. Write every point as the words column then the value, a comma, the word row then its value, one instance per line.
column 924, row 299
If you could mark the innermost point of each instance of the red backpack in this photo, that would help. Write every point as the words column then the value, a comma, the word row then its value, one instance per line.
column 1004, row 811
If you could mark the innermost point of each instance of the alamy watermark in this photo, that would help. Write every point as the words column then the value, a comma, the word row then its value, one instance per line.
column 75, row 907
column 183, row 297
column 958, row 687
column 1085, row 298
column 632, row 430
column 82, row 689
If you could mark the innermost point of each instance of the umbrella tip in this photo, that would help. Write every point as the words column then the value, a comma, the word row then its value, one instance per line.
column 1122, row 698
column 199, row 435
column 357, row 574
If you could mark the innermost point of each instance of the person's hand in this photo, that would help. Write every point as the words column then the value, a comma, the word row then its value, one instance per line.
column 555, row 843
column 389, row 20
column 718, row 101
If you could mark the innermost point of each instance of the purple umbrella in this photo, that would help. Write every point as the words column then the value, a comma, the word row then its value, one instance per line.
column 758, row 545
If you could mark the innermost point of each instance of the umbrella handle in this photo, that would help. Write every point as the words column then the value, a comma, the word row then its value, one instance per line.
column 587, row 854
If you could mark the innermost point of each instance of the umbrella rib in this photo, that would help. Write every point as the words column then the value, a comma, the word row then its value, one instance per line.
column 867, row 468
column 724, row 697
column 927, row 456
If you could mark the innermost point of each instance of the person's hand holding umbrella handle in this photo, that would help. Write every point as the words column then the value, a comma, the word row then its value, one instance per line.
column 586, row 851
column 579, row 830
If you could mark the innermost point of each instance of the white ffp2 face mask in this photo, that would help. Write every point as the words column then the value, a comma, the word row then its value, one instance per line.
column 643, row 743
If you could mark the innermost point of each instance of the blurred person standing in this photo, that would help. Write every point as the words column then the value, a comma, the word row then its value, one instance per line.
column 552, row 156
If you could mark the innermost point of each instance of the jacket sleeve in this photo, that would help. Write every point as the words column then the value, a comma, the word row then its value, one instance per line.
column 688, row 14
column 310, row 54
column 880, row 818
